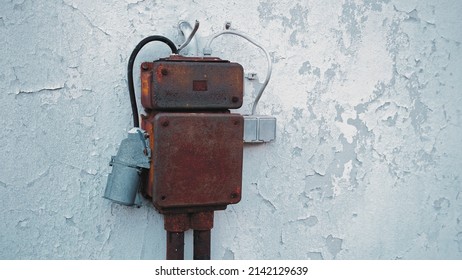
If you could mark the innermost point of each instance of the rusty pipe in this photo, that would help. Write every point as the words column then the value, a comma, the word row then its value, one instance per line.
column 175, row 245
column 202, row 244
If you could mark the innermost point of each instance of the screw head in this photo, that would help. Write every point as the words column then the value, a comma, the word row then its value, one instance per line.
column 164, row 72
column 235, row 99
column 165, row 123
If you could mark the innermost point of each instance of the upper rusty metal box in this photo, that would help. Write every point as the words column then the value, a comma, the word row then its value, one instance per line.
column 192, row 83
column 197, row 159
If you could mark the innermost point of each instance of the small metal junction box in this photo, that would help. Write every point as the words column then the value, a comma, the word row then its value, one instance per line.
column 191, row 83
column 259, row 129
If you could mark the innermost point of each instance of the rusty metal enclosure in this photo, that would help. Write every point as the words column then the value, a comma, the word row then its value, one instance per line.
column 196, row 144
column 182, row 83
column 197, row 158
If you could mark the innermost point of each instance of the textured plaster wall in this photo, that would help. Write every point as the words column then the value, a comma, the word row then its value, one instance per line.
column 367, row 163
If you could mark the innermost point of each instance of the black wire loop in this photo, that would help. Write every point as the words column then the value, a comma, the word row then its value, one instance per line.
column 131, row 61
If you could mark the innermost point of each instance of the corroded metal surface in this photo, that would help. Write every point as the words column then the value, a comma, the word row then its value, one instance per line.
column 146, row 84
column 197, row 159
column 148, row 177
column 180, row 83
column 175, row 245
column 177, row 222
column 196, row 165
column 202, row 240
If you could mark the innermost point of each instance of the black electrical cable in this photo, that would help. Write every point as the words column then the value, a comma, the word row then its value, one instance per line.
column 131, row 61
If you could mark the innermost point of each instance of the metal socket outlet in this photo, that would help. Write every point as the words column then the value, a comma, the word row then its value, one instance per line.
column 124, row 180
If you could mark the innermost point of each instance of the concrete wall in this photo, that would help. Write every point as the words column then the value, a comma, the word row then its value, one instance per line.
column 367, row 163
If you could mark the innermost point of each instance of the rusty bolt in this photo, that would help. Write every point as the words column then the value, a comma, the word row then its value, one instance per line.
column 165, row 123
column 236, row 122
column 144, row 66
column 235, row 99
column 234, row 195
column 164, row 72
column 163, row 197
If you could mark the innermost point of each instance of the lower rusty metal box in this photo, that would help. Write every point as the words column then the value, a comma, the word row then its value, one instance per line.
column 197, row 159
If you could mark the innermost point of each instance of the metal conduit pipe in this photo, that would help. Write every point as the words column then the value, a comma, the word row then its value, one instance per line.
column 175, row 245
column 202, row 239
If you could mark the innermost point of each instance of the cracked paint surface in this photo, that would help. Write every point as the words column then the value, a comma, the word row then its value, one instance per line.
column 367, row 161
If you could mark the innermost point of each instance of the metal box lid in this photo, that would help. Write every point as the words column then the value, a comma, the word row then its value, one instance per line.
column 197, row 159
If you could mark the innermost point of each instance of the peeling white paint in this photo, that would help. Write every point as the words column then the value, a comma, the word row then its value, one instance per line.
column 342, row 182
column 348, row 131
column 367, row 160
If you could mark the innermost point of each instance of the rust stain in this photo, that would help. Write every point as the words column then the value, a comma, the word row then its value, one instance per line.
column 146, row 84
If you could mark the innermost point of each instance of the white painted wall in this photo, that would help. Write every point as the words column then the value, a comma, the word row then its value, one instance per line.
column 368, row 159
